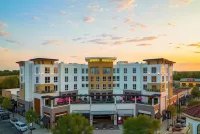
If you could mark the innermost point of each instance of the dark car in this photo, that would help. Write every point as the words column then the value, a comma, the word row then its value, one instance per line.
column 5, row 116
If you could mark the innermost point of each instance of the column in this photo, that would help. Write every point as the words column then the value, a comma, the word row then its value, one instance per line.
column 51, row 103
column 52, row 118
column 115, row 119
column 152, row 101
column 135, row 100
column 115, row 99
column 44, row 102
column 91, row 120
column 90, row 100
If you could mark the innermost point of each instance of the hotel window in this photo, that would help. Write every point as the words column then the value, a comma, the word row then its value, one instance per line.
column 97, row 96
column 37, row 70
column 118, row 70
column 166, row 85
column 104, row 78
column 21, row 70
column 145, row 70
column 113, row 70
column 83, row 71
column 144, row 78
column 154, row 87
column 109, row 78
column 113, row 85
column 47, row 88
column 125, row 86
column 66, row 78
column 134, row 78
column 153, row 78
column 83, row 85
column 109, row 86
column 118, row 78
column 55, row 70
column 86, row 78
column 55, row 87
column 167, row 78
column 75, row 86
column 134, row 86
column 183, row 84
column 153, row 70
column 36, row 89
column 113, row 78
column 104, row 86
column 125, row 78
column 75, row 70
column 47, row 70
column 198, row 129
column 97, row 78
column 75, row 78
column 92, row 86
column 66, row 70
column 117, row 85
column 55, row 79
column 83, row 78
column 134, row 70
column 66, row 87
column 163, row 78
column 94, row 70
column 144, row 87
column 92, row 78
column 86, row 70
column 37, row 80
column 125, row 70
column 86, row 85
column 97, row 86
column 47, row 79
column 190, row 85
column 163, row 86
column 107, row 70
column 21, row 79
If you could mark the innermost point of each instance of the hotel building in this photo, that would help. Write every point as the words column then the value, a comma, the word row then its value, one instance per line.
column 97, row 88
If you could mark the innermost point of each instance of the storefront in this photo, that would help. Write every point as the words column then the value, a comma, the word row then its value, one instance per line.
column 123, row 114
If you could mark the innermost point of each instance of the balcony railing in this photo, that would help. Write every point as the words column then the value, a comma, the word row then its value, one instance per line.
column 43, row 91
column 155, row 90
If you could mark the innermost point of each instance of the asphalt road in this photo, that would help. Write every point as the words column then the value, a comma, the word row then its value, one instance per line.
column 7, row 128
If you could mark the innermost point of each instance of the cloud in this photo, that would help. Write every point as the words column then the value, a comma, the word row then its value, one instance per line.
column 194, row 44
column 197, row 52
column 128, row 20
column 178, row 47
column 125, row 5
column 101, row 9
column 182, row 1
column 143, row 44
column 136, row 24
column 150, row 38
column 36, row 18
column 77, row 39
column 115, row 38
column 98, row 41
column 88, row 19
column 3, row 33
column 114, row 28
column 3, row 25
column 116, row 43
column 52, row 42
column 14, row 42
column 171, row 25
column 174, row 6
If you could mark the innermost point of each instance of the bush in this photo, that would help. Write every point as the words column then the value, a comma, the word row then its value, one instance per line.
column 193, row 102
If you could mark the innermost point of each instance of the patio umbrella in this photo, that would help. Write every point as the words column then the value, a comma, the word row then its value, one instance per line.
column 122, row 97
column 140, row 98
column 67, row 99
column 133, row 99
column 60, row 100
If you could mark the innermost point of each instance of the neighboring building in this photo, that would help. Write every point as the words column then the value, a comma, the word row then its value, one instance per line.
column 192, row 119
column 189, row 82
column 43, row 83
column 11, row 93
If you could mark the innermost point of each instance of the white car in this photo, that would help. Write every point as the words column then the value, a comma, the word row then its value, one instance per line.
column 21, row 126
column 13, row 121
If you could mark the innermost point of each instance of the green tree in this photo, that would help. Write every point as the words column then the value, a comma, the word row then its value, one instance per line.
column 31, row 116
column 195, row 92
column 173, row 110
column 1, row 99
column 73, row 124
column 193, row 102
column 10, row 82
column 142, row 124
column 6, row 104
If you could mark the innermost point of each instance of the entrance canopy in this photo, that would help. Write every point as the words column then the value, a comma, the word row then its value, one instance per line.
column 103, row 112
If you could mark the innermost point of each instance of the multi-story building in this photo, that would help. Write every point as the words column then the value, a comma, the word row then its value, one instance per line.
column 190, row 82
column 103, row 87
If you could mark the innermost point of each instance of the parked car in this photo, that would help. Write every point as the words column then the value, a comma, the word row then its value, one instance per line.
column 5, row 115
column 21, row 126
column 13, row 121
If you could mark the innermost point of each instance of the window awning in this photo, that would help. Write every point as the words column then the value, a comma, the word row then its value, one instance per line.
column 102, row 112
column 125, row 112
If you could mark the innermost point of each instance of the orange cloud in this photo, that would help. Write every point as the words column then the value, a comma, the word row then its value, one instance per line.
column 143, row 44
column 88, row 19
column 3, row 33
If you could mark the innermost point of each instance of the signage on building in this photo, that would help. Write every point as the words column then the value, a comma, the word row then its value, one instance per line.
column 191, row 79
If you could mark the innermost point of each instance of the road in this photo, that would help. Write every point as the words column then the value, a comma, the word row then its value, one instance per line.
column 7, row 128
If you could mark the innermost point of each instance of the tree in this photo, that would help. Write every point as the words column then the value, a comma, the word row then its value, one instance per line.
column 195, row 92
column 142, row 124
column 73, row 124
column 31, row 116
column 193, row 102
column 6, row 104
column 10, row 82
column 173, row 111
column 1, row 99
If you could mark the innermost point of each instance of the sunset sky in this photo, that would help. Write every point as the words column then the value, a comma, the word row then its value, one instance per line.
column 71, row 30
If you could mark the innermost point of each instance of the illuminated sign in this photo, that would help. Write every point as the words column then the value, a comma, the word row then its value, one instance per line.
column 107, row 60
column 103, row 60
column 94, row 60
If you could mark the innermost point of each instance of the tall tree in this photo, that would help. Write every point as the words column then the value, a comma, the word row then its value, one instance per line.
column 6, row 104
column 31, row 116
column 193, row 102
column 73, row 124
column 1, row 99
column 195, row 92
column 173, row 111
column 142, row 124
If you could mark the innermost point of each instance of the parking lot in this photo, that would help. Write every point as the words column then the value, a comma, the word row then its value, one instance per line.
column 7, row 128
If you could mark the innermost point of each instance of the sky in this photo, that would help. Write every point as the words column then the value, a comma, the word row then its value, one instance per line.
column 70, row 30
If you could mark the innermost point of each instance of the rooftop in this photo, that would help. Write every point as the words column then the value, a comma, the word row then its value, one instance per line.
column 190, row 79
column 43, row 59
column 159, row 59
column 13, row 91
column 179, row 90
column 193, row 111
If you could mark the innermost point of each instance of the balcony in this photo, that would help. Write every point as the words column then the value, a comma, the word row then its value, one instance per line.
column 43, row 91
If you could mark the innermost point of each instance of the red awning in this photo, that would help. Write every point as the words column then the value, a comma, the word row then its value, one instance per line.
column 60, row 100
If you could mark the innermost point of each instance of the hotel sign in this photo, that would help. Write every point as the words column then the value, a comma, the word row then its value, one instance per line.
column 102, row 60
column 191, row 79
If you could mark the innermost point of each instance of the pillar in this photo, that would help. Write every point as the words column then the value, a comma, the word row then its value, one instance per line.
column 52, row 118
column 152, row 101
column 115, row 119
column 51, row 103
column 44, row 102
column 90, row 100
column 91, row 120
column 115, row 99
column 135, row 100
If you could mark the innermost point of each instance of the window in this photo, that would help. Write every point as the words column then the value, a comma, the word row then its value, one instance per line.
column 97, row 78
column 55, row 87
column 125, row 70
column 144, row 87
column 118, row 78
column 134, row 86
column 183, row 84
column 83, row 78
column 92, row 86
column 125, row 78
column 114, row 78
column 83, row 71
column 92, row 78
column 94, row 70
column 153, row 78
column 66, row 70
column 47, row 70
column 154, row 87
column 118, row 70
column 125, row 86
column 86, row 85
column 144, row 78
column 107, row 70
column 86, row 70
column 55, row 79
column 134, row 78
column 117, row 85
column 75, row 78
column 190, row 85
column 86, row 78
column 66, row 87
column 134, row 70
column 113, row 85
column 97, row 86
column 145, row 70
column 104, row 86
column 47, row 88
column 166, row 85
column 47, row 79
column 75, row 86
column 66, row 78
column 114, row 70
column 109, row 86
column 104, row 78
column 198, row 129
column 109, row 78
column 163, row 78
column 21, row 79
column 75, row 70
column 55, row 70
column 166, row 78
column 21, row 70
column 37, row 80
column 83, row 85
column 153, row 70
column 37, row 70
column 36, row 89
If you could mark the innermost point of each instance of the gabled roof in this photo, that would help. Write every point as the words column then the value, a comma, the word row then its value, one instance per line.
column 158, row 59
column 193, row 111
